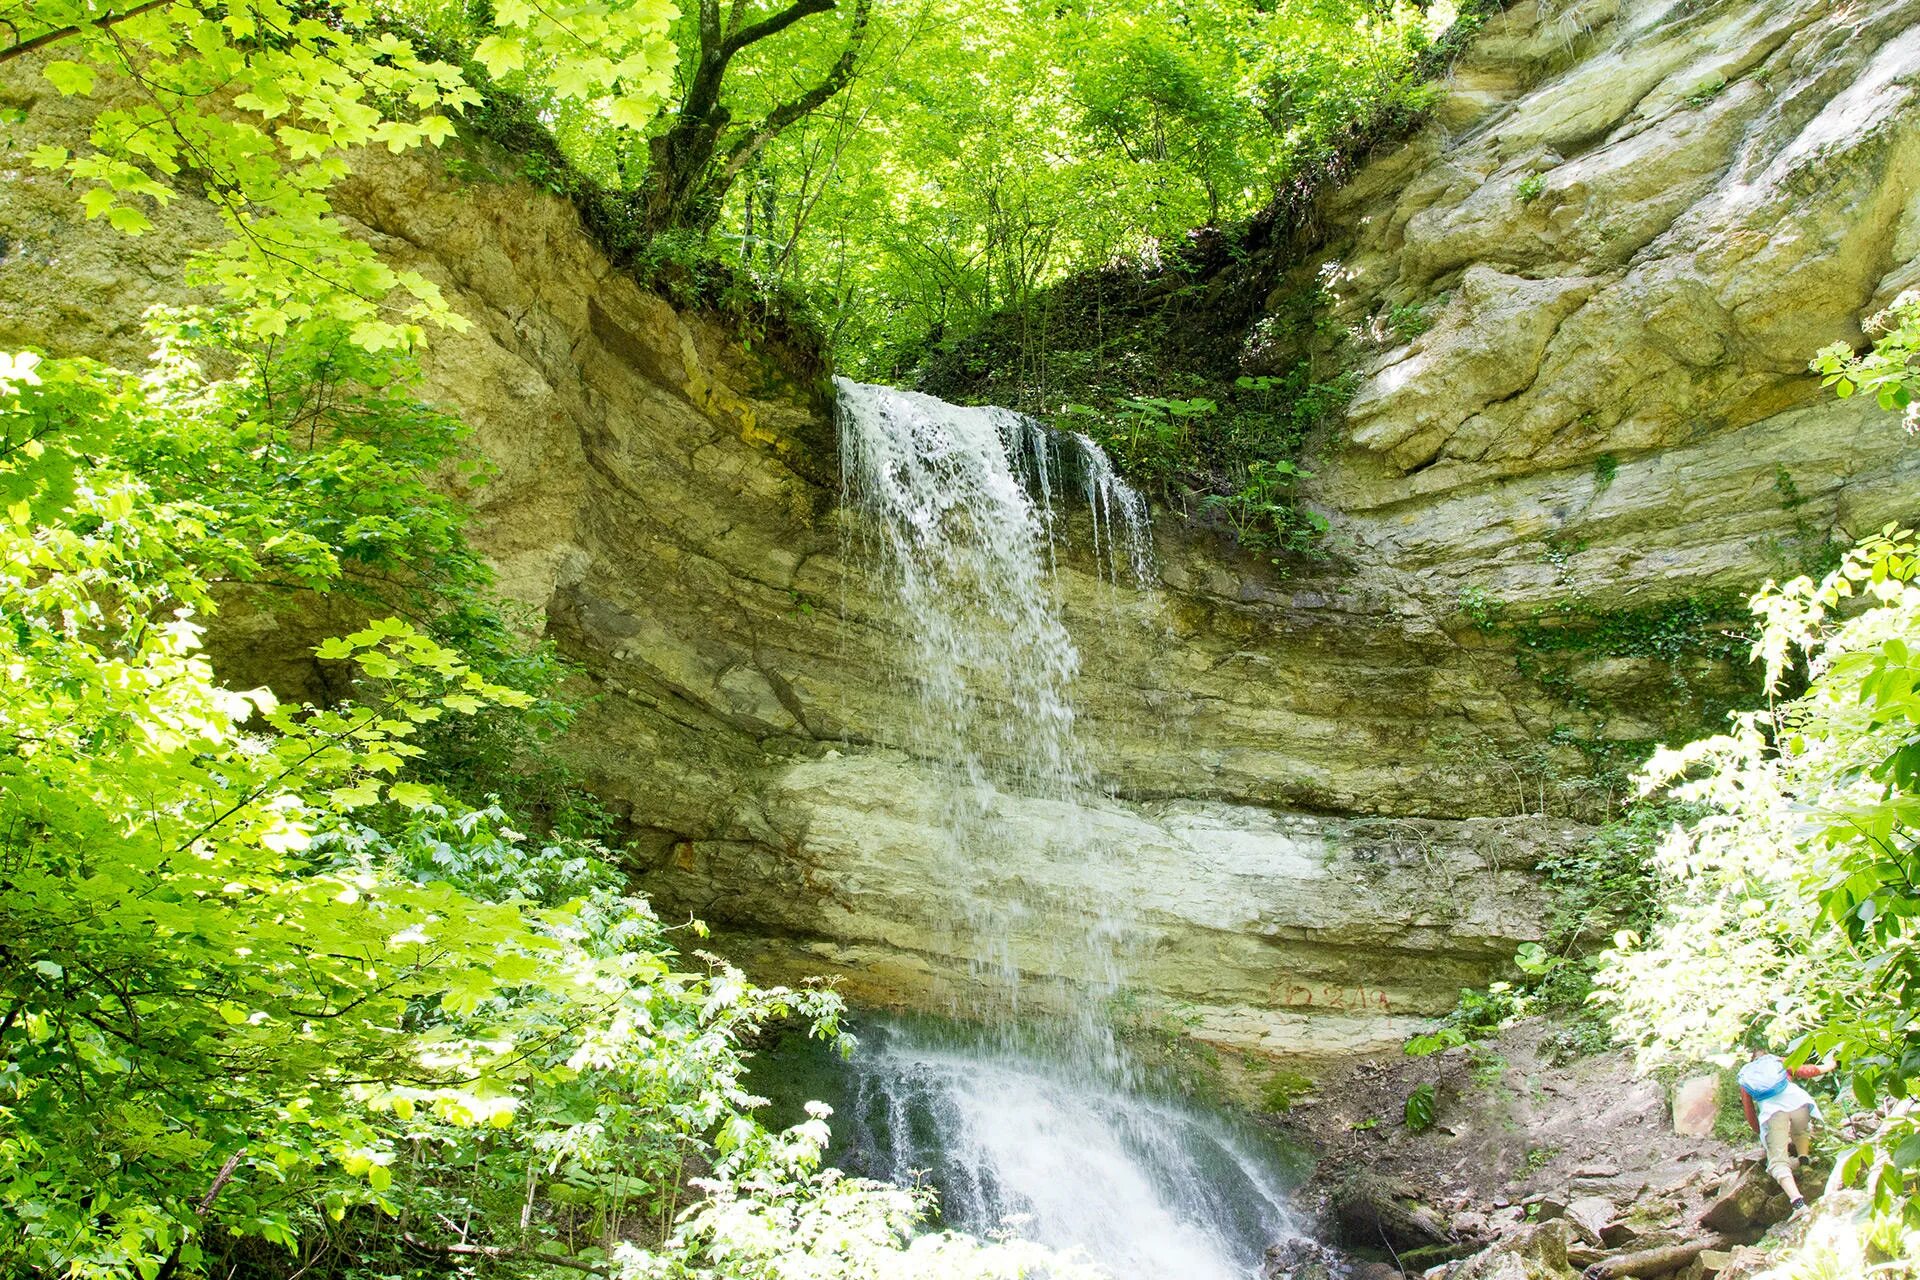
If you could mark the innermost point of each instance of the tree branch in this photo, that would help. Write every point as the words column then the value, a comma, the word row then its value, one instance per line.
column 753, row 33
column 685, row 185
column 46, row 38
column 709, row 28
column 749, row 144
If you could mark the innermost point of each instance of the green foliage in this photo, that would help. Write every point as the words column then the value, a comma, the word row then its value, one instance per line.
column 1706, row 91
column 1605, row 884
column 1792, row 896
column 1702, row 641
column 1230, row 454
column 1479, row 1016
column 1263, row 513
column 317, row 451
column 834, row 161
column 231, row 1002
column 794, row 1219
column 256, row 107
column 1284, row 1088
column 987, row 151
column 1605, row 468
column 1408, row 321
column 1531, row 188
column 1481, row 609
column 1610, row 881
column 1698, row 626
column 1149, row 437
column 1887, row 372
column 1419, row 1109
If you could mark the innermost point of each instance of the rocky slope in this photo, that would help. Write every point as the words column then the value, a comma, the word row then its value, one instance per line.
column 1542, row 1166
column 1327, row 788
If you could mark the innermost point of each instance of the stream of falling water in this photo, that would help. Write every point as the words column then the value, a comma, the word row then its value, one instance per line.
column 1039, row 1115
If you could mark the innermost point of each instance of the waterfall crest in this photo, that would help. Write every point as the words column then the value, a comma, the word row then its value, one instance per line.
column 1036, row 1119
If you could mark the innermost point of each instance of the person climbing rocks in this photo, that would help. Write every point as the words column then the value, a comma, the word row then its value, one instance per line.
column 1782, row 1113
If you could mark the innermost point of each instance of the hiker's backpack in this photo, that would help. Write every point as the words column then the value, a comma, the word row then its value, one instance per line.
column 1763, row 1077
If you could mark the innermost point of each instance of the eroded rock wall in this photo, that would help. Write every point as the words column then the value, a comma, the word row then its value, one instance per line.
column 1631, row 224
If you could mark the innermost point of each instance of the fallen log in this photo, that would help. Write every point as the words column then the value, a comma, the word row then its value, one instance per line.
column 501, row 1253
column 1653, row 1262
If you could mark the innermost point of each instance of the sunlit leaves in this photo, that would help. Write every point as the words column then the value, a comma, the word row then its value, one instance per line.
column 244, row 949
column 1890, row 372
column 1792, row 907
column 771, row 1211
column 70, row 77
column 986, row 150
column 262, row 105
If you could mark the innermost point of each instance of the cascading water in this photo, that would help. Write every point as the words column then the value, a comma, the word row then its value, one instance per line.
column 1037, row 1116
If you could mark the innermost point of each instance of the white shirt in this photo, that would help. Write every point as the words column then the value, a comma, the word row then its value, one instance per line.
column 1791, row 1098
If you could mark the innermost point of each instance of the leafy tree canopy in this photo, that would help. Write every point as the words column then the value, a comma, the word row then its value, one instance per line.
column 984, row 150
column 257, row 105
column 905, row 166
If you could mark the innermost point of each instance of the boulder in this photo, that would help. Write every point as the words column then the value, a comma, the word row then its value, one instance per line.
column 1544, row 1207
column 1696, row 1104
column 1534, row 1252
column 1374, row 1271
column 1374, row 1212
column 1299, row 1258
column 1590, row 1216
column 1748, row 1202
column 1469, row 1225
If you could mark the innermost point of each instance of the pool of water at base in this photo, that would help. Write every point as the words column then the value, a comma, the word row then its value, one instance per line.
column 1018, row 1133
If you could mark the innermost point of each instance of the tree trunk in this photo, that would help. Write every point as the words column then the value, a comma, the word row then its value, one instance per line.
column 691, row 171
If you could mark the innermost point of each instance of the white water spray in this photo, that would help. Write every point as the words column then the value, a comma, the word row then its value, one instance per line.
column 1042, row 1120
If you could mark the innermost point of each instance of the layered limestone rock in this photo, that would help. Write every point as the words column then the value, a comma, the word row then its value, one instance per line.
column 1275, row 932
column 1629, row 226
column 666, row 506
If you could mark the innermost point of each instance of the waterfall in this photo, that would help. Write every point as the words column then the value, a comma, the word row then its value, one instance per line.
column 1037, row 1119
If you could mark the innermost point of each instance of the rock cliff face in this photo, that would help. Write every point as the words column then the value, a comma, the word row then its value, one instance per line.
column 1616, row 361
column 1629, row 226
